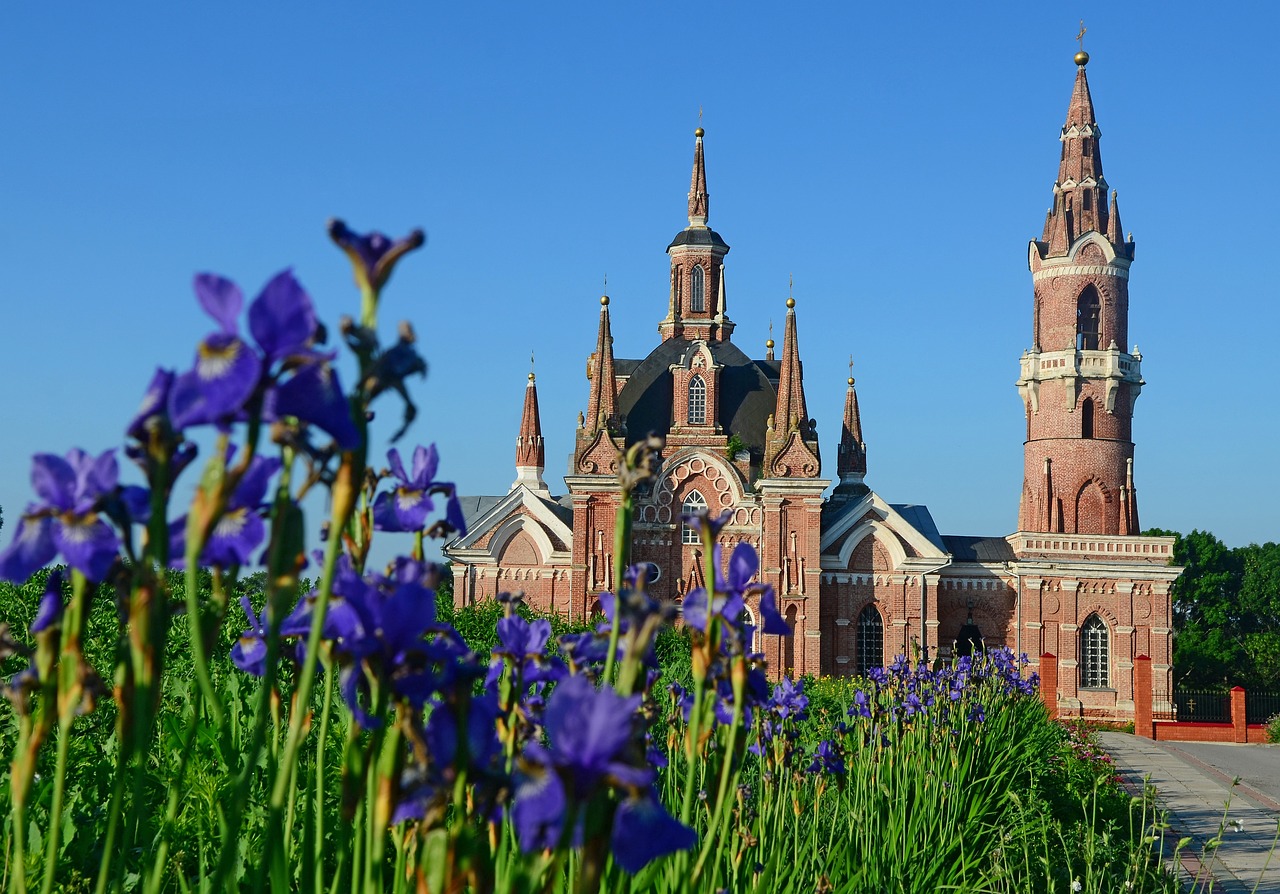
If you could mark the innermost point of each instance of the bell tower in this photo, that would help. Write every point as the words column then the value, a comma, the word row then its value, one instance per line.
column 1078, row 381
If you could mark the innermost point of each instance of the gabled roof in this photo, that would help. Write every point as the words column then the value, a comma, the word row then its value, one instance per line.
column 491, row 512
column 989, row 550
column 911, row 522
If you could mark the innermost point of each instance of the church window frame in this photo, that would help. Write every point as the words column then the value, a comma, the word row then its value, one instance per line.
column 696, row 409
column 693, row 502
column 1087, row 418
column 870, row 640
column 698, row 289
column 1095, row 653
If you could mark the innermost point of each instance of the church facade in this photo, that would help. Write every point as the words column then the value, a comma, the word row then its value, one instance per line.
column 860, row 579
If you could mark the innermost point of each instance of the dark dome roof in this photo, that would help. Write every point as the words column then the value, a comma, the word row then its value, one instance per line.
column 698, row 236
column 747, row 394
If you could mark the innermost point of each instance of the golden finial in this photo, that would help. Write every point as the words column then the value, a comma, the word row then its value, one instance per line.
column 1082, row 58
column 768, row 343
column 699, row 132
column 851, row 370
column 604, row 300
column 531, row 366
column 791, row 302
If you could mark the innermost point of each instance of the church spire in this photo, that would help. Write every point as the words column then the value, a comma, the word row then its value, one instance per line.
column 790, row 422
column 602, row 404
column 531, row 455
column 699, row 201
column 696, row 306
column 851, row 462
column 1080, row 199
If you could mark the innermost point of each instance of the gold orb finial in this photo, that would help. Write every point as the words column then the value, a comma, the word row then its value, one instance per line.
column 850, row 381
column 1082, row 58
column 699, row 132
column 604, row 300
column 530, row 377
column 791, row 303
column 769, row 343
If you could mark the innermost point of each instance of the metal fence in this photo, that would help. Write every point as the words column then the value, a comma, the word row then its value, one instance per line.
column 1202, row 706
column 1259, row 707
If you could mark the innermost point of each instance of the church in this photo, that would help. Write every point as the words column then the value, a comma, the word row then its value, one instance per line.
column 861, row 579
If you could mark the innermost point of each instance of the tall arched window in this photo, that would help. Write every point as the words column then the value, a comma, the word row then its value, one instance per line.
column 698, row 300
column 692, row 503
column 1095, row 654
column 1086, row 418
column 1088, row 320
column 697, row 414
column 870, row 640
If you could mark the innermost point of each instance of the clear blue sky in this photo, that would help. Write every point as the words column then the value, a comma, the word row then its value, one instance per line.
column 895, row 158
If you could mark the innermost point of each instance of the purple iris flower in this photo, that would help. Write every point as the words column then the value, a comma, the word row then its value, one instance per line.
column 912, row 705
column 67, row 522
column 860, row 707
column 789, row 699
column 373, row 255
column 250, row 651
column 827, row 759
column 229, row 372
column 422, row 785
column 525, row 643
column 407, row 506
column 643, row 831
column 51, row 604
column 241, row 529
column 380, row 626
column 589, row 733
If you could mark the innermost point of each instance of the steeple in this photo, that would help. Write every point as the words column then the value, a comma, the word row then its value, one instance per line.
column 791, row 418
column 1080, row 199
column 698, row 199
column 696, row 308
column 531, row 456
column 851, row 460
column 602, row 405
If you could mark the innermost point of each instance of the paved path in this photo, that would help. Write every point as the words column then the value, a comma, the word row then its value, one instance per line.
column 1193, row 782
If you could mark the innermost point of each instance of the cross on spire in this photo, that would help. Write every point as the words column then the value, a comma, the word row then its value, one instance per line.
column 1080, row 36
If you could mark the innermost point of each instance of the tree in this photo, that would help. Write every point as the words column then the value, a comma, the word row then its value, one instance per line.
column 1226, row 612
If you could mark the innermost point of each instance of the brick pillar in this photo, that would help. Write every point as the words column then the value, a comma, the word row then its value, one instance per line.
column 1142, row 694
column 1049, row 683
column 1239, row 727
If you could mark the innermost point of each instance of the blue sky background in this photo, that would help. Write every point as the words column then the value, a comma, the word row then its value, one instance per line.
column 894, row 158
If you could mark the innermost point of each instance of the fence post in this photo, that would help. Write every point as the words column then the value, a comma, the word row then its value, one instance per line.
column 1142, row 722
column 1239, row 721
column 1049, row 683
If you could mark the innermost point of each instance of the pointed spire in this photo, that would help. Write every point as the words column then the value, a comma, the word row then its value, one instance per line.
column 792, row 413
column 602, row 404
column 531, row 454
column 1080, row 192
column 1135, row 527
column 699, row 202
column 851, row 461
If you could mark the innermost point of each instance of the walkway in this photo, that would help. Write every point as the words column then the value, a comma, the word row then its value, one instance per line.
column 1193, row 782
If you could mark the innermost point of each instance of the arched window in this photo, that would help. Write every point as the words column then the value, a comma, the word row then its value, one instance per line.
column 1086, row 418
column 1095, row 654
column 698, row 300
column 789, row 644
column 695, row 502
column 1088, row 320
column 697, row 414
column 870, row 640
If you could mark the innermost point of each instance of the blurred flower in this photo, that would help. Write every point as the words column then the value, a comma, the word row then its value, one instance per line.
column 67, row 522
column 644, row 831
column 241, row 529
column 373, row 255
column 407, row 506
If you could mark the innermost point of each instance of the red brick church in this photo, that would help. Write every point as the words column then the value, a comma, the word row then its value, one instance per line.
column 861, row 579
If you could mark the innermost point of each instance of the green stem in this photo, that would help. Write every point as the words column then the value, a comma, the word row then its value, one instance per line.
column 727, row 771
column 317, row 855
column 621, row 552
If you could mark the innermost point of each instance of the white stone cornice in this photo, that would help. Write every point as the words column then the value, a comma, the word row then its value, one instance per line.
column 1047, row 272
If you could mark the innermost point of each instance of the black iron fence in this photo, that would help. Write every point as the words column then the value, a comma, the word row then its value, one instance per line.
column 1259, row 707
column 1202, row 706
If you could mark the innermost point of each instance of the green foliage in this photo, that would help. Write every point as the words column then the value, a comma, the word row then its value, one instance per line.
column 736, row 445
column 1226, row 612
column 1273, row 729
